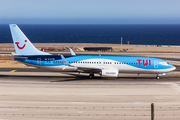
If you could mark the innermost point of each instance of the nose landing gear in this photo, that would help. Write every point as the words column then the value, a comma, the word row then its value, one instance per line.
column 157, row 77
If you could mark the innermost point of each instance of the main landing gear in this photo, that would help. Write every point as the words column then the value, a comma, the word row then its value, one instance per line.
column 91, row 75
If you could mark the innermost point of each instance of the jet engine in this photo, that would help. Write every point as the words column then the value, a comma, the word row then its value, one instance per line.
column 109, row 73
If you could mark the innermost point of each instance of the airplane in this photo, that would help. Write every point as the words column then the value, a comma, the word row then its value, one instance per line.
column 106, row 66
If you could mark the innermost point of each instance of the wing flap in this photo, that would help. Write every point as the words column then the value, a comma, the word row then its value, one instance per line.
column 79, row 68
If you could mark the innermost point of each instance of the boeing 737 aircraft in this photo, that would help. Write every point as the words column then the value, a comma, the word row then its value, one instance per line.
column 106, row 66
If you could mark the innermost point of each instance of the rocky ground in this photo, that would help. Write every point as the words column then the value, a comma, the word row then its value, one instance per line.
column 55, row 47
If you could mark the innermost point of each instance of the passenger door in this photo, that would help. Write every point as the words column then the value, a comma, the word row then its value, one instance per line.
column 155, row 64
column 38, row 61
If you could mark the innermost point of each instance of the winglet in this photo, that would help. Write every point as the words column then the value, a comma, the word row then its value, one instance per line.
column 65, row 62
column 72, row 52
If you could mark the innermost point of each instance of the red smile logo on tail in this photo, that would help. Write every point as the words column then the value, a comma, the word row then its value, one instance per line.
column 17, row 43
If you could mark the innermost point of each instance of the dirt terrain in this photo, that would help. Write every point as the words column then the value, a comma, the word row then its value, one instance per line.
column 7, row 61
column 6, row 47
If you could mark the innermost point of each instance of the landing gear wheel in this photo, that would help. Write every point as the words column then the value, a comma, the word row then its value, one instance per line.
column 91, row 76
column 157, row 77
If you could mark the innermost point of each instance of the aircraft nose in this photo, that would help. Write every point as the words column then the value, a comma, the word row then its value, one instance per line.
column 172, row 67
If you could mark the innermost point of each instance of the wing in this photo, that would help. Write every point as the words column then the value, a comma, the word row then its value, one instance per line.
column 80, row 68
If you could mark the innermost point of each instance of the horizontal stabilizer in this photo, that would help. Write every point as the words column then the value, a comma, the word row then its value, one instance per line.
column 21, row 57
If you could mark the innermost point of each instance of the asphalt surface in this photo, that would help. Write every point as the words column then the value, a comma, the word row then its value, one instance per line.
column 46, row 96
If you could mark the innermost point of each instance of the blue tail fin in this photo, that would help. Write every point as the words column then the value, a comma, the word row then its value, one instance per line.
column 22, row 44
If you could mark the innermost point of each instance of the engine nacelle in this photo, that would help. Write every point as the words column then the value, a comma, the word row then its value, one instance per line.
column 109, row 73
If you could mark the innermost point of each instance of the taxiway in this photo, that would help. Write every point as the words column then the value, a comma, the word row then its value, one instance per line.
column 47, row 95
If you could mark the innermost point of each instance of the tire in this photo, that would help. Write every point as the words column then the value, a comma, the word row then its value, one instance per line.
column 91, row 76
column 157, row 77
